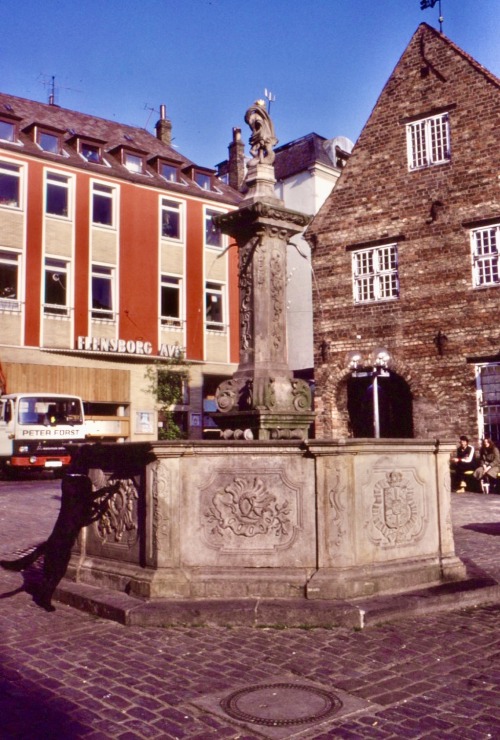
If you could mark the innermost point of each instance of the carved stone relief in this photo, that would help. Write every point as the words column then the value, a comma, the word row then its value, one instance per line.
column 397, row 511
column 253, row 511
column 161, row 489
column 118, row 525
column 337, row 490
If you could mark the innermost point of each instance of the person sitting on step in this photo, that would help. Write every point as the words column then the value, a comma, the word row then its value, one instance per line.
column 489, row 464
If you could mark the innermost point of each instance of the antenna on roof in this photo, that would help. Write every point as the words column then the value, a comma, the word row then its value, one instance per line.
column 151, row 110
column 49, row 81
column 424, row 4
column 270, row 98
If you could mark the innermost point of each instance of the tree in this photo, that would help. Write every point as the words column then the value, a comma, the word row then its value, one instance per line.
column 168, row 380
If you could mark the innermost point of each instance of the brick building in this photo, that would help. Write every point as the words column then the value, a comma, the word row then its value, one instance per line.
column 406, row 257
column 108, row 261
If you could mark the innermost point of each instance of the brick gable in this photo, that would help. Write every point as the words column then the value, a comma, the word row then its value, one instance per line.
column 428, row 213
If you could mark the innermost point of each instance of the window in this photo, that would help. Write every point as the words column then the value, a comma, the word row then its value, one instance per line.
column 486, row 255
column 213, row 235
column 103, row 198
column 214, row 306
column 203, row 181
column 9, row 280
column 91, row 152
column 169, row 172
column 10, row 175
column 7, row 131
column 170, row 301
column 428, row 141
column 56, row 284
column 375, row 274
column 49, row 142
column 133, row 162
column 57, row 194
column 489, row 385
column 170, row 219
column 102, row 292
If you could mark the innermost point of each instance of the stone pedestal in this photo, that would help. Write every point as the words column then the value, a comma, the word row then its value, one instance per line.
column 263, row 400
column 236, row 520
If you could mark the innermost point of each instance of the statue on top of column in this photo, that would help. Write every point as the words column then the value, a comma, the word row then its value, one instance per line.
column 263, row 138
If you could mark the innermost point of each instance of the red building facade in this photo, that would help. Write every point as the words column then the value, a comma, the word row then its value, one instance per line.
column 109, row 261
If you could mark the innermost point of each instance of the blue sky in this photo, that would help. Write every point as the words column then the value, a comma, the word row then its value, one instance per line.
column 325, row 61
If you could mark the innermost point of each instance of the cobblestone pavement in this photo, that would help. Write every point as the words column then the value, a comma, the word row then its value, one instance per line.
column 67, row 674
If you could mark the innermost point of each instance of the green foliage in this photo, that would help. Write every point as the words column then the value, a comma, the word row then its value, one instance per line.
column 167, row 382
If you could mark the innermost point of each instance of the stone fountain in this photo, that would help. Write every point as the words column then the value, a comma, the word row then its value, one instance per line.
column 266, row 512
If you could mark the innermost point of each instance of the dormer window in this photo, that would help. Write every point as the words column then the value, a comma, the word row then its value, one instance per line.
column 49, row 142
column 7, row 131
column 169, row 172
column 201, row 176
column 133, row 162
column 203, row 181
column 91, row 152
column 132, row 159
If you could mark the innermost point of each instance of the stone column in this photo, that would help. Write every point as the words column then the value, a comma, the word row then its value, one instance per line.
column 263, row 400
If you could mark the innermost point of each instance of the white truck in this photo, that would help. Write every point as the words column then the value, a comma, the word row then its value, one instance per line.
column 36, row 430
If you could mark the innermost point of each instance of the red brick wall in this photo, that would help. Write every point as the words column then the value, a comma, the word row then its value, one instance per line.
column 377, row 197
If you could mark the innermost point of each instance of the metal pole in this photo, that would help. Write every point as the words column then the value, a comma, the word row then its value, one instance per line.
column 376, row 416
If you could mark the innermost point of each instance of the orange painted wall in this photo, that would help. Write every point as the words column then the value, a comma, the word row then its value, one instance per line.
column 194, row 281
column 138, row 265
column 82, row 267
column 34, row 223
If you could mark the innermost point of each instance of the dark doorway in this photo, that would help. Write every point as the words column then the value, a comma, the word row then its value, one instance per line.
column 394, row 402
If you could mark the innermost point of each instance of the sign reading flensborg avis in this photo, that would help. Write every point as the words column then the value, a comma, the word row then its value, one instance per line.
column 126, row 347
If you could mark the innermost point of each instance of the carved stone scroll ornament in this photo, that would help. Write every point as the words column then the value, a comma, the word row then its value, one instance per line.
column 248, row 508
column 227, row 395
column 263, row 138
column 118, row 524
column 301, row 393
column 338, row 489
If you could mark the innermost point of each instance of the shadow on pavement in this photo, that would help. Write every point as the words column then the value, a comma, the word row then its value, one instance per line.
column 492, row 528
column 80, row 506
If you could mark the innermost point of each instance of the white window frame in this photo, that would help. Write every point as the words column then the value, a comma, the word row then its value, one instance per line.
column 207, row 221
column 175, row 283
column 13, row 126
column 104, row 190
column 375, row 274
column 103, row 272
column 57, row 266
column 57, row 138
column 485, row 248
column 171, row 205
column 59, row 180
column 216, row 289
column 173, row 171
column 14, row 170
column 428, row 141
column 133, row 162
column 12, row 258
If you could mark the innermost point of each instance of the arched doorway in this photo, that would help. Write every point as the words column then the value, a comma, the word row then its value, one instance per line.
column 395, row 405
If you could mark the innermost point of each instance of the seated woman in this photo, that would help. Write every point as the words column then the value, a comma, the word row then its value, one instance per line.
column 489, row 464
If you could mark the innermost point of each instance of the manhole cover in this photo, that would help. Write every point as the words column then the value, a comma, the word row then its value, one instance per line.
column 281, row 704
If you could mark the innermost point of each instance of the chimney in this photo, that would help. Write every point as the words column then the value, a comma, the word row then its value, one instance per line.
column 236, row 160
column 164, row 127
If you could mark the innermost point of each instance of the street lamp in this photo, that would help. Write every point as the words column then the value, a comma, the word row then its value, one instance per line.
column 375, row 367
column 380, row 366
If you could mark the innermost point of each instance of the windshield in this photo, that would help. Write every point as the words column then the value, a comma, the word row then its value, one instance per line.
column 50, row 410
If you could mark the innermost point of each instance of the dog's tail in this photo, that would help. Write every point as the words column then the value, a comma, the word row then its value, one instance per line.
column 26, row 560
